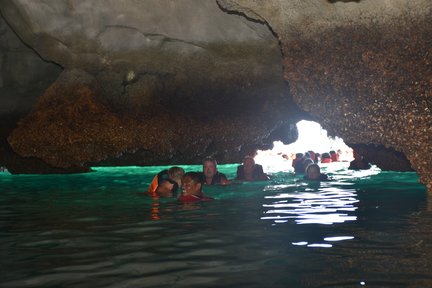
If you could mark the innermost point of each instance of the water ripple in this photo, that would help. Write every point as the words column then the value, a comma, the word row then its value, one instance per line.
column 327, row 205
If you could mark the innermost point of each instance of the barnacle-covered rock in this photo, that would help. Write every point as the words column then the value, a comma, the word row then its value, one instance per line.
column 362, row 68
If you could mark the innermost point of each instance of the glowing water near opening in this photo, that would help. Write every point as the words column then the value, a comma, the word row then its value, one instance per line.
column 367, row 228
column 311, row 137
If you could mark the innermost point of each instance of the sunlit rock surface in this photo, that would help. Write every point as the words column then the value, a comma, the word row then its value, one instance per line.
column 362, row 68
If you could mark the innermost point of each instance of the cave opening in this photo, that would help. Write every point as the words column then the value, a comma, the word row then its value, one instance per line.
column 311, row 137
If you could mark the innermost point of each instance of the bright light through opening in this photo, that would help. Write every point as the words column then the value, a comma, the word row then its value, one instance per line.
column 311, row 136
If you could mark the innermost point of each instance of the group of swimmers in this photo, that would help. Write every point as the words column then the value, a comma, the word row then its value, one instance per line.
column 168, row 182
column 302, row 162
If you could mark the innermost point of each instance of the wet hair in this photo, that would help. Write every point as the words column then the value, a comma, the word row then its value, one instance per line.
column 332, row 152
column 307, row 155
column 175, row 172
column 299, row 155
column 313, row 165
column 210, row 159
column 325, row 155
column 197, row 177
column 248, row 157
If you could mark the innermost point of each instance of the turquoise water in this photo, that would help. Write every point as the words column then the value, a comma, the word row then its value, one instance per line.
column 362, row 229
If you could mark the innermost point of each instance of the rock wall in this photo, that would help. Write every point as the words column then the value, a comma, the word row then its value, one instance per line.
column 177, row 81
column 165, row 82
column 23, row 74
column 362, row 68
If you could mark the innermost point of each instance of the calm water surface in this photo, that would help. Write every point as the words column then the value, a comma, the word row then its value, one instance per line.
column 362, row 229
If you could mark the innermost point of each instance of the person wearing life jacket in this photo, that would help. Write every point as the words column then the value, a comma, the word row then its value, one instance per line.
column 326, row 158
column 211, row 174
column 166, row 183
column 192, row 188
column 334, row 156
column 249, row 171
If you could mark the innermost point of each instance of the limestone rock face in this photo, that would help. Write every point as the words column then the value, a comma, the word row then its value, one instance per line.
column 165, row 82
column 23, row 74
column 362, row 68
column 150, row 82
column 76, row 128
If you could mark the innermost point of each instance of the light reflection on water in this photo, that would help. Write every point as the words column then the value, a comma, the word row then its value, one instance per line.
column 99, row 230
column 328, row 205
column 321, row 203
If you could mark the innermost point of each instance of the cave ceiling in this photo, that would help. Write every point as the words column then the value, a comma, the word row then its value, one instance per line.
column 164, row 82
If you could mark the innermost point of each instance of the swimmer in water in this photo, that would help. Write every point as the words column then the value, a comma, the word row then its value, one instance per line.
column 192, row 188
column 211, row 174
column 313, row 172
column 250, row 171
column 166, row 183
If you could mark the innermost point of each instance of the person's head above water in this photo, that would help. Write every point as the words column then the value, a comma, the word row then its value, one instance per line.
column 166, row 182
column 192, row 188
column 249, row 171
column 192, row 183
column 176, row 173
column 209, row 167
column 248, row 164
column 211, row 174
column 313, row 172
